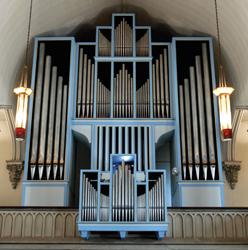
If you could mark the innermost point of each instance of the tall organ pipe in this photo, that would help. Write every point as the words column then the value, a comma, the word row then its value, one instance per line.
column 57, row 127
column 37, row 109
column 63, row 131
column 182, row 128
column 201, row 109
column 80, row 81
column 44, row 112
column 52, row 103
column 188, row 124
column 195, row 120
column 208, row 101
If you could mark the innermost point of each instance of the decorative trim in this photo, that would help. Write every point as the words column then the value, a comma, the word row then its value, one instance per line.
column 231, row 169
column 15, row 169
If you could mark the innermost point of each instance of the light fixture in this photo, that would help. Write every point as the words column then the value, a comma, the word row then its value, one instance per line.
column 22, row 92
column 223, row 92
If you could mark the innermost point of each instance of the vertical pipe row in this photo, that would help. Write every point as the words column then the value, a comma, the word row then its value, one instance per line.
column 123, row 140
column 85, row 85
column 142, row 45
column 195, row 97
column 103, row 100
column 49, row 121
column 123, row 39
column 143, row 101
column 160, row 81
column 122, row 193
column 89, row 200
column 156, row 199
column 123, row 94
column 104, row 45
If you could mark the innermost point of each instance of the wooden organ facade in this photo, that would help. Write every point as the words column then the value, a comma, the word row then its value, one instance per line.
column 123, row 127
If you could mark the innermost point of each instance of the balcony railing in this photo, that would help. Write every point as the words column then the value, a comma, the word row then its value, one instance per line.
column 209, row 225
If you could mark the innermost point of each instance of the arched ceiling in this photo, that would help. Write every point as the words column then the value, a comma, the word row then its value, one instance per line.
column 186, row 17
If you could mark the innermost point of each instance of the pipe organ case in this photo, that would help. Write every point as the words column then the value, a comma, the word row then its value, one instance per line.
column 109, row 120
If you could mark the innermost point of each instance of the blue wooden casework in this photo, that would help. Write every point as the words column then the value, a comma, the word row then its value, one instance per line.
column 123, row 113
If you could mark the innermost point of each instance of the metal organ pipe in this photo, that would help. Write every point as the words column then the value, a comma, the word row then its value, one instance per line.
column 201, row 113
column 195, row 122
column 80, row 81
column 63, row 132
column 182, row 129
column 208, row 101
column 188, row 126
column 57, row 127
column 49, row 148
column 44, row 112
column 160, row 86
column 37, row 109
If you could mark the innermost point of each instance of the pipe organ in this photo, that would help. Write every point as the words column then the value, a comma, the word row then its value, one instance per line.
column 110, row 118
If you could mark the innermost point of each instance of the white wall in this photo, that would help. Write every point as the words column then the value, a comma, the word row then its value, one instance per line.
column 238, row 197
column 8, row 196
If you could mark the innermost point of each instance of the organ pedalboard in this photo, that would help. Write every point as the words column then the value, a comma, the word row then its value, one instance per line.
column 110, row 119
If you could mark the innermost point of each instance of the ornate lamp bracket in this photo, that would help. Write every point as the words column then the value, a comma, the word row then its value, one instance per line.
column 15, row 168
column 231, row 169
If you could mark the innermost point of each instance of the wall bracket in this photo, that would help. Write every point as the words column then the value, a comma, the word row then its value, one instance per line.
column 231, row 169
column 15, row 168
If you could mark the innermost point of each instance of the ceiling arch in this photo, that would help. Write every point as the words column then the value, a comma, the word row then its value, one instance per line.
column 62, row 17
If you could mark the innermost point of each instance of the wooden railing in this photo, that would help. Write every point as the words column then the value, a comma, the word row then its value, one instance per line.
column 187, row 225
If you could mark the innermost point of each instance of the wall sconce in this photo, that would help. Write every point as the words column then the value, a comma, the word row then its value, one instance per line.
column 22, row 93
column 223, row 92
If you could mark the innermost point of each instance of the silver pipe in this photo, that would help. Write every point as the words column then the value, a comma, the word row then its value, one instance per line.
column 120, row 194
column 117, row 95
column 188, row 121
column 84, row 102
column 80, row 81
column 57, row 127
column 208, row 101
column 195, row 118
column 107, row 149
column 51, row 121
column 114, row 99
column 126, row 93
column 166, row 79
column 126, row 190
column 44, row 112
column 201, row 109
column 100, row 140
column 158, row 90
column 113, row 196
column 120, row 94
column 182, row 124
column 148, row 97
column 154, row 91
column 139, row 149
column 162, row 85
column 123, row 90
column 83, row 200
column 63, row 130
column 88, row 87
column 92, row 89
column 37, row 109
column 162, row 197
column 86, row 199
column 122, row 190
